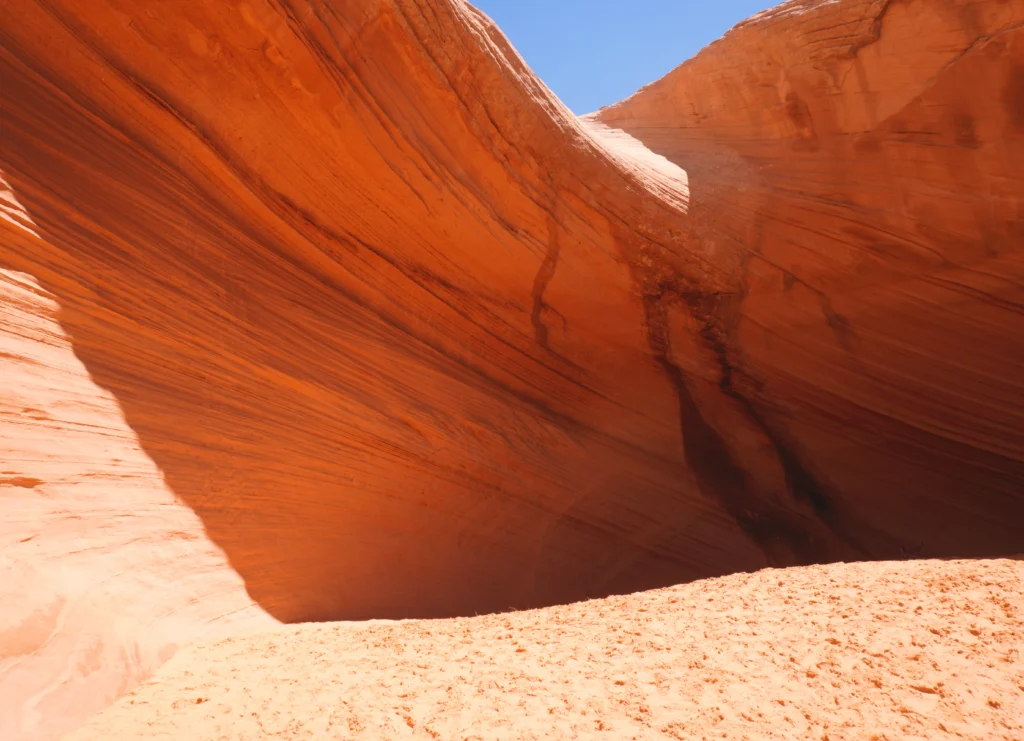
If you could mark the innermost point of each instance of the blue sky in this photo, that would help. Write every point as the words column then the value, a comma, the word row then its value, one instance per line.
column 595, row 52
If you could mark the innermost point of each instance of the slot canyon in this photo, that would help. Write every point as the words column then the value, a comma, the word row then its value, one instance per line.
column 329, row 310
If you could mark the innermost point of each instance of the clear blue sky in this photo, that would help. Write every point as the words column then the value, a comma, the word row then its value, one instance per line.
column 595, row 52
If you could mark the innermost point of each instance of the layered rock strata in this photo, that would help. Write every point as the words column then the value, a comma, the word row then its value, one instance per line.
column 347, row 283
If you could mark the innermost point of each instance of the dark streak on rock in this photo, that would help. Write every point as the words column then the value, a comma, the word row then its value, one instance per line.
column 963, row 129
column 1013, row 96
column 840, row 325
column 800, row 115
column 801, row 483
column 540, row 283
column 779, row 532
column 23, row 482
column 875, row 34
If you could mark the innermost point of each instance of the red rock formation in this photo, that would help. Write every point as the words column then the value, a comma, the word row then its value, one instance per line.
column 866, row 159
column 104, row 574
column 411, row 340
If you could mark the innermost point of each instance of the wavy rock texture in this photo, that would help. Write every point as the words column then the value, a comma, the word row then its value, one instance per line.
column 866, row 158
column 347, row 282
column 105, row 574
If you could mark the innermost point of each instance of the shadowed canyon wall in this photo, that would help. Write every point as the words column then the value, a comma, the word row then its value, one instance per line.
column 867, row 159
column 345, row 281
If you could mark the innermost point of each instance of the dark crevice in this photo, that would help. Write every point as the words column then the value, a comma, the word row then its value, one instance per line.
column 803, row 486
column 874, row 35
column 540, row 283
column 778, row 532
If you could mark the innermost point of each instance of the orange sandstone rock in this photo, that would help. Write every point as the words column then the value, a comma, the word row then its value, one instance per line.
column 866, row 159
column 104, row 572
column 345, row 281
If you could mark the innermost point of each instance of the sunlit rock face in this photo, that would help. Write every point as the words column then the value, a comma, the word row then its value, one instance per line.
column 326, row 310
column 104, row 572
column 866, row 159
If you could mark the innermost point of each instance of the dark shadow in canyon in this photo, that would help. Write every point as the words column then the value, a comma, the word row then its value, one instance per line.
column 354, row 462
column 349, row 463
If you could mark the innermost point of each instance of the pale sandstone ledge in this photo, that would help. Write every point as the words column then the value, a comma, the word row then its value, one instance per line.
column 924, row 650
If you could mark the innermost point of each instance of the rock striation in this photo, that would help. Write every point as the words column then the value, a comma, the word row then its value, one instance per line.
column 104, row 572
column 866, row 159
column 337, row 302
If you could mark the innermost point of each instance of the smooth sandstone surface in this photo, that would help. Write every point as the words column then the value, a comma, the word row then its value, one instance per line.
column 104, row 573
column 888, row 651
column 330, row 310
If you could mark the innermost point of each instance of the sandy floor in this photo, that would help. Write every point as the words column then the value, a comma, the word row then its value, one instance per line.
column 909, row 650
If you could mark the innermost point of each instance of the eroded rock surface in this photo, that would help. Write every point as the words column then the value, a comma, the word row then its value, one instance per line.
column 104, row 573
column 866, row 158
column 347, row 283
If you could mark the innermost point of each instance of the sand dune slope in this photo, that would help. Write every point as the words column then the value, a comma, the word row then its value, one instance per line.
column 891, row 650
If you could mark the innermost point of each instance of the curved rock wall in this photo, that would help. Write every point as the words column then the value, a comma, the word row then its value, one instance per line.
column 363, row 289
column 867, row 160
column 345, row 280
column 104, row 573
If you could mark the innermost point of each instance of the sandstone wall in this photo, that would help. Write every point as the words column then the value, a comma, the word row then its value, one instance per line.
column 336, row 301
